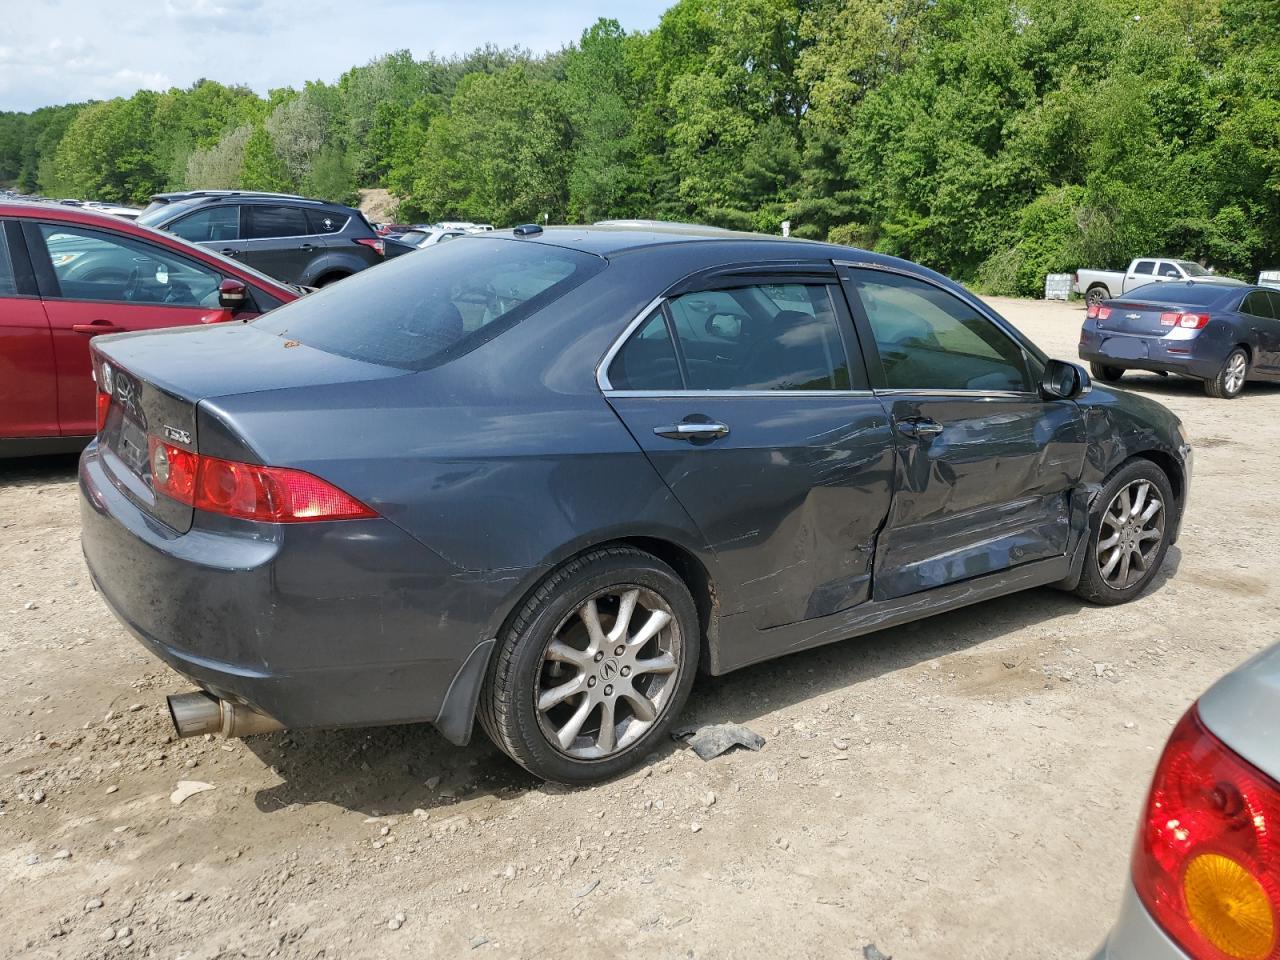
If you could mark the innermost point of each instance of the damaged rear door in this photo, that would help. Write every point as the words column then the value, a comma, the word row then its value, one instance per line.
column 986, row 466
column 744, row 396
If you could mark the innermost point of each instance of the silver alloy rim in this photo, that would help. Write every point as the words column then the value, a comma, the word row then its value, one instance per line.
column 608, row 673
column 1132, row 530
column 1237, row 366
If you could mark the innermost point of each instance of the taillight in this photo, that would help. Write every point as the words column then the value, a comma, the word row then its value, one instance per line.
column 376, row 244
column 1092, row 312
column 1207, row 858
column 1104, row 313
column 104, row 407
column 1195, row 321
column 247, row 490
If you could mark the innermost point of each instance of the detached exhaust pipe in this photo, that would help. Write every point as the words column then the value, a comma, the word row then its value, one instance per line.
column 199, row 713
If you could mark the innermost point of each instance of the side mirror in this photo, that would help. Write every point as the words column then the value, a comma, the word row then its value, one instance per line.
column 232, row 295
column 1064, row 381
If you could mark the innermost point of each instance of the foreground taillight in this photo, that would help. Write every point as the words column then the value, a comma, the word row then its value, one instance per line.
column 378, row 246
column 248, row 490
column 1207, row 858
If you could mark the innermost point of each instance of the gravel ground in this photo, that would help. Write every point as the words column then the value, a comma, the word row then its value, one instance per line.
column 966, row 786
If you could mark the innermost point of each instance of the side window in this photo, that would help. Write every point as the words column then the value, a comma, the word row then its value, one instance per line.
column 1170, row 270
column 268, row 222
column 1259, row 304
column 929, row 339
column 1274, row 297
column 647, row 361
column 91, row 265
column 1145, row 267
column 8, row 285
column 325, row 221
column 769, row 337
column 209, row 225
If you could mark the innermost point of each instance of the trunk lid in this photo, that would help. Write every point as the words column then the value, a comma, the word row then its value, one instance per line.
column 1137, row 317
column 158, row 379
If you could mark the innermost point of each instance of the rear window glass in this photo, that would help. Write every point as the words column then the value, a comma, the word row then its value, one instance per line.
column 417, row 312
column 1189, row 294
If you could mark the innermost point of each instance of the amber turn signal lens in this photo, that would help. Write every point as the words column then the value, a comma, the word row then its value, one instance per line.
column 1229, row 907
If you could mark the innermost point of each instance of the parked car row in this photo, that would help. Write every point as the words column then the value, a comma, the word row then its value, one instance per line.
column 115, row 209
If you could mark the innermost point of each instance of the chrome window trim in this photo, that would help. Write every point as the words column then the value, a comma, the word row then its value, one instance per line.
column 602, row 368
column 727, row 394
column 960, row 393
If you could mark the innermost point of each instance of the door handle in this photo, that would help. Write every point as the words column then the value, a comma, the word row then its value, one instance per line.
column 692, row 431
column 307, row 246
column 96, row 327
column 228, row 251
column 921, row 428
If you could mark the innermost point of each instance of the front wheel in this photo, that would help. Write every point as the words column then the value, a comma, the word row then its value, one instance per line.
column 1229, row 381
column 591, row 672
column 1105, row 373
column 1127, row 534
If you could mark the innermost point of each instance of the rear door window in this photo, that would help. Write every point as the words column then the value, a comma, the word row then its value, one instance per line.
column 1259, row 304
column 418, row 313
column 765, row 337
column 8, row 283
column 1145, row 267
column 266, row 222
column 210, row 225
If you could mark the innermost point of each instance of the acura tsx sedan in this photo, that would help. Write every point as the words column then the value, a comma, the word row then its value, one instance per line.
column 544, row 477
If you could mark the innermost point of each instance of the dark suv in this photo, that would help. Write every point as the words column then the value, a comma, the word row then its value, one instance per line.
column 292, row 238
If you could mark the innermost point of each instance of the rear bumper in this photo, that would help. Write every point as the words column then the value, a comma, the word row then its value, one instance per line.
column 1136, row 936
column 327, row 624
column 1203, row 361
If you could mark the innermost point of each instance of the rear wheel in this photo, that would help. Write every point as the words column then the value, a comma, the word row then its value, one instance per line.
column 1127, row 541
column 593, row 669
column 1095, row 295
column 329, row 278
column 1105, row 373
column 1229, row 382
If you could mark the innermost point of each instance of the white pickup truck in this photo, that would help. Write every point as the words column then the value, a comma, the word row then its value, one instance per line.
column 1099, row 285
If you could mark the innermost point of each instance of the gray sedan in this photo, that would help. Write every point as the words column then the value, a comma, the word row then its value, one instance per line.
column 1205, row 880
column 1224, row 334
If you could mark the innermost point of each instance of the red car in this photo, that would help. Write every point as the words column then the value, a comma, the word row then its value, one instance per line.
column 68, row 274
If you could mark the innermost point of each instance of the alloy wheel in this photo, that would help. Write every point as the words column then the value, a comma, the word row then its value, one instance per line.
column 1237, row 367
column 1131, row 534
column 608, row 673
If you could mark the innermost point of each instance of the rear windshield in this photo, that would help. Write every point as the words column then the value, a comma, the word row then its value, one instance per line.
column 1192, row 269
column 425, row 308
column 1189, row 294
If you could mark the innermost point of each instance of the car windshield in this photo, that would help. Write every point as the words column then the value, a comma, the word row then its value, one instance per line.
column 420, row 312
column 1193, row 269
column 1184, row 294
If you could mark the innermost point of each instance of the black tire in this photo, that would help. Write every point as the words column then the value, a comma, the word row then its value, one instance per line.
column 1095, row 295
column 508, row 709
column 1093, row 585
column 1223, row 386
column 1105, row 373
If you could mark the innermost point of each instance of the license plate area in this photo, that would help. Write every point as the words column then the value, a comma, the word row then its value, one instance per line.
column 1125, row 348
column 131, row 446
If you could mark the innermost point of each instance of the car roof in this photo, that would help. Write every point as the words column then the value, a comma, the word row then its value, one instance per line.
column 613, row 239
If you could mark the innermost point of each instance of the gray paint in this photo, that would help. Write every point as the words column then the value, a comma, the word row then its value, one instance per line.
column 491, row 469
column 1241, row 710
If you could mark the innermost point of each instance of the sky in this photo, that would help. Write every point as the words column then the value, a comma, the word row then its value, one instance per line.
column 61, row 51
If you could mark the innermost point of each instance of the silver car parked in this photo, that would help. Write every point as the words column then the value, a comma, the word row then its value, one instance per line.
column 1205, row 878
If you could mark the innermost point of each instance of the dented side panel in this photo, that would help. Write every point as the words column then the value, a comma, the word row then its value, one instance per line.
column 790, row 501
column 991, row 491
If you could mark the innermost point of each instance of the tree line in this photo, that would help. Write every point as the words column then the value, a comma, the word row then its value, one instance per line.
column 994, row 140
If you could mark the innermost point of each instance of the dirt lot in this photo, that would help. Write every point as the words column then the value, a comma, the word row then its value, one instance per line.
column 965, row 787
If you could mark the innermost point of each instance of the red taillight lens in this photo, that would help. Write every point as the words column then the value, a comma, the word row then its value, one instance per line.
column 379, row 245
column 1195, row 321
column 1104, row 313
column 247, row 490
column 104, row 406
column 1207, row 858
column 1092, row 312
column 1169, row 319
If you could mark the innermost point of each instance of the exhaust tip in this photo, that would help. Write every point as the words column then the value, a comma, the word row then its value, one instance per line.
column 197, row 713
